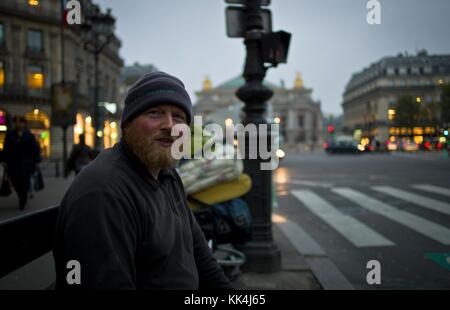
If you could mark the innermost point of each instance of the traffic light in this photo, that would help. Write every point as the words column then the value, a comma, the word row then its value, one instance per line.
column 330, row 129
column 275, row 46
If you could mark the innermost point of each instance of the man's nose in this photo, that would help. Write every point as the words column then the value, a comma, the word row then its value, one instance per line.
column 168, row 121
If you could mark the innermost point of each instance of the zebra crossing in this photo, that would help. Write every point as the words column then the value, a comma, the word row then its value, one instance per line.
column 360, row 234
column 353, row 230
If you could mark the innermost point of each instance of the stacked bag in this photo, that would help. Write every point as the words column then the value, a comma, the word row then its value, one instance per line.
column 214, row 188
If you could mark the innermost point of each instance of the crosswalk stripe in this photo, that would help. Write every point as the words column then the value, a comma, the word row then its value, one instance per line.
column 414, row 222
column 433, row 189
column 419, row 200
column 353, row 230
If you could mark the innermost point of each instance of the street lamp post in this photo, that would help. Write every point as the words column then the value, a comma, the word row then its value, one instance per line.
column 263, row 46
column 98, row 29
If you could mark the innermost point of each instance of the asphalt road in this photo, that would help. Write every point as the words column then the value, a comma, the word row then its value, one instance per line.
column 393, row 208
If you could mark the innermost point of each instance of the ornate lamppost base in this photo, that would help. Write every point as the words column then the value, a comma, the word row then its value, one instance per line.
column 262, row 257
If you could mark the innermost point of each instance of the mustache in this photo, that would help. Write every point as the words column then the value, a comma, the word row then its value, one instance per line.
column 166, row 136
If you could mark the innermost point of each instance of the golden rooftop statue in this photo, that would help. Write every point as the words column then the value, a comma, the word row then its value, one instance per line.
column 207, row 84
column 298, row 84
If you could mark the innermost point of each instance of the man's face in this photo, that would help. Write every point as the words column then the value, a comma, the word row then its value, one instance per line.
column 149, row 137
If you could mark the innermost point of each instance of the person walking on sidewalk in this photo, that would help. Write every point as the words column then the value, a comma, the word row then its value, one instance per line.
column 80, row 156
column 22, row 154
column 125, row 218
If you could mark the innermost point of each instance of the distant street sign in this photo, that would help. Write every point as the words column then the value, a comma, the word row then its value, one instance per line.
column 236, row 23
column 243, row 2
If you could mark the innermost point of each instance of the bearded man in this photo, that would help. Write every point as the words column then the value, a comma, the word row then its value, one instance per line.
column 124, row 223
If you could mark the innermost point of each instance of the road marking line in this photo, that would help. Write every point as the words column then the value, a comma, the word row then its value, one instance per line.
column 414, row 222
column 325, row 271
column 299, row 238
column 312, row 183
column 419, row 200
column 353, row 230
column 433, row 189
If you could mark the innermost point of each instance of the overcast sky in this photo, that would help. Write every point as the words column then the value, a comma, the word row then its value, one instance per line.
column 330, row 39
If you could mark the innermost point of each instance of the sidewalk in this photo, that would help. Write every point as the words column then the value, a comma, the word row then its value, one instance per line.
column 51, row 195
column 304, row 264
column 295, row 273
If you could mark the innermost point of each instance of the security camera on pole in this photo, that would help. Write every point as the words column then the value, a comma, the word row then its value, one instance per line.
column 246, row 19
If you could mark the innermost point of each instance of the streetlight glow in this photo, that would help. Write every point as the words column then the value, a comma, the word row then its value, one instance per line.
column 391, row 114
column 277, row 120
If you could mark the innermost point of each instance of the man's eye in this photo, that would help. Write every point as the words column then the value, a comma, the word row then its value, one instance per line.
column 179, row 118
column 153, row 113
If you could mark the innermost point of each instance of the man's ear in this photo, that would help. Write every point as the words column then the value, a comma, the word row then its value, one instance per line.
column 125, row 128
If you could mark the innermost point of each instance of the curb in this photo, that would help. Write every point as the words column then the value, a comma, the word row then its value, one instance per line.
column 324, row 270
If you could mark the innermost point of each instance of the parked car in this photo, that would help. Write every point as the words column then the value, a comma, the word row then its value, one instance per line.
column 408, row 145
column 343, row 145
column 392, row 146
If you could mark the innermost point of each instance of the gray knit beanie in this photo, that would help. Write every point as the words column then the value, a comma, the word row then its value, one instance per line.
column 153, row 89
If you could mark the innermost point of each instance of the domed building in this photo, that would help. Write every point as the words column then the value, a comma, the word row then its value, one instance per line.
column 299, row 116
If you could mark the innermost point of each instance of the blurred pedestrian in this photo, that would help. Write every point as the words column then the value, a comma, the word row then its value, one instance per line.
column 80, row 156
column 125, row 218
column 22, row 155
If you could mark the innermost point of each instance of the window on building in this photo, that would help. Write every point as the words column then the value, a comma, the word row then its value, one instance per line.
column 114, row 90
column 403, row 71
column 301, row 120
column 2, row 73
column 390, row 71
column 35, row 40
column 415, row 70
column 78, row 85
column 301, row 137
column 35, row 77
column 2, row 34
column 428, row 70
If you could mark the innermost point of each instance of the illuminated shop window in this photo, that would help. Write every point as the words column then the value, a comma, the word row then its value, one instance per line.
column 2, row 74
column 83, row 125
column 39, row 125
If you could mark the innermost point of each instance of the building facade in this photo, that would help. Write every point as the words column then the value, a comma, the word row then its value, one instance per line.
column 129, row 75
column 36, row 52
column 299, row 116
column 371, row 96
